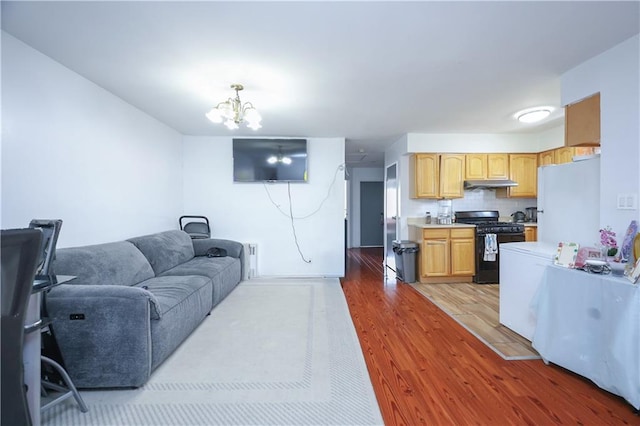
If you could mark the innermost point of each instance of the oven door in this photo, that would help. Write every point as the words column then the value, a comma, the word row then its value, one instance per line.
column 488, row 272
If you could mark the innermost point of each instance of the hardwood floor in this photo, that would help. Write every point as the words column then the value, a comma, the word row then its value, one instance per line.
column 427, row 369
column 476, row 307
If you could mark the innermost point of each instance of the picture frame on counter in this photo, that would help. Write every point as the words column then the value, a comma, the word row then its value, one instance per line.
column 566, row 255
column 634, row 274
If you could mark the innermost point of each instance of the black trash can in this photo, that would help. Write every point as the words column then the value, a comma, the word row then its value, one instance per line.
column 405, row 260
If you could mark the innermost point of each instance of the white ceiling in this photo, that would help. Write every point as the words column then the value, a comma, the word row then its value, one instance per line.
column 366, row 71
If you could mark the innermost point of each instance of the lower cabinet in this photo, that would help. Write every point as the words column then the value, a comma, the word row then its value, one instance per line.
column 446, row 254
column 530, row 233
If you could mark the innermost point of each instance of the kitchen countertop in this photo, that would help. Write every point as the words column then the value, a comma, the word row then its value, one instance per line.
column 437, row 225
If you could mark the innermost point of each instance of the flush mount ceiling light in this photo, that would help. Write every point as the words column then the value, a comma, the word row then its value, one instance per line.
column 533, row 115
column 233, row 112
column 280, row 158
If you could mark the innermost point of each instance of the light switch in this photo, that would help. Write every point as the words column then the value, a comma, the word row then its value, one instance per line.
column 627, row 201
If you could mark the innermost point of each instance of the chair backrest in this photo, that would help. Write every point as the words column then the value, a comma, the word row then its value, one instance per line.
column 50, row 231
column 198, row 229
column 20, row 252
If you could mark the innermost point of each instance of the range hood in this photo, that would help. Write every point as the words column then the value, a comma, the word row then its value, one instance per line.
column 489, row 183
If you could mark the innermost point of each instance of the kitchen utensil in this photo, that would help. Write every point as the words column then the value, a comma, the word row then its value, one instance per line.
column 518, row 216
column 532, row 214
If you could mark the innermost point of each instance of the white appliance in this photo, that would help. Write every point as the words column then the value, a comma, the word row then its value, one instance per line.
column 569, row 202
column 521, row 268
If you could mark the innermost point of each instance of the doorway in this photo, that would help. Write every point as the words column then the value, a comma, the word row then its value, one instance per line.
column 371, row 214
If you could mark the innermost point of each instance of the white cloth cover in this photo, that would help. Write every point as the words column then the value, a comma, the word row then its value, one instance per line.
column 590, row 324
column 490, row 247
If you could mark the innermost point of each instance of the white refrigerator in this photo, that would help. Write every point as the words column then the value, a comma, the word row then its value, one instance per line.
column 569, row 202
column 568, row 210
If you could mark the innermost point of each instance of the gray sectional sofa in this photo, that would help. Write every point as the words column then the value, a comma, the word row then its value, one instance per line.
column 134, row 302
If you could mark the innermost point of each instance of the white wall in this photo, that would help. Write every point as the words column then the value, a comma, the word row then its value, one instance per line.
column 616, row 75
column 73, row 151
column 356, row 177
column 244, row 211
column 468, row 142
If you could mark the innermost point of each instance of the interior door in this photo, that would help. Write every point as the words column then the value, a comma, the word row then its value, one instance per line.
column 371, row 214
column 391, row 214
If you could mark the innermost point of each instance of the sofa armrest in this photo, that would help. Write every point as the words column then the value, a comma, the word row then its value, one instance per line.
column 103, row 332
column 233, row 248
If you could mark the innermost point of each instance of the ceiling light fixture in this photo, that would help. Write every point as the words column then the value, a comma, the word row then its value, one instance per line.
column 533, row 115
column 233, row 112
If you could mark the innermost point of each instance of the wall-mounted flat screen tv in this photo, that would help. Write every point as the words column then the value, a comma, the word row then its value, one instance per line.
column 269, row 160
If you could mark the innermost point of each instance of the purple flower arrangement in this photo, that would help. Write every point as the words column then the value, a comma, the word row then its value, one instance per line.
column 608, row 239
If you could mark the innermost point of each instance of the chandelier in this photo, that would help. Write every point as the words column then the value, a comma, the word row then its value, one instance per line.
column 233, row 112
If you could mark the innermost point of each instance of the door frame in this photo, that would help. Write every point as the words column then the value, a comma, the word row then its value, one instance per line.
column 389, row 259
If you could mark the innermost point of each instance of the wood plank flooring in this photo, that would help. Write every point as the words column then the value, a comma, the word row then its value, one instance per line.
column 476, row 307
column 427, row 369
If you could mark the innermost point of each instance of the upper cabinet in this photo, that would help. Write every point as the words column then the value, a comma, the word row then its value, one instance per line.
column 475, row 166
column 546, row 157
column 437, row 175
column 523, row 168
column 486, row 166
column 582, row 122
column 564, row 155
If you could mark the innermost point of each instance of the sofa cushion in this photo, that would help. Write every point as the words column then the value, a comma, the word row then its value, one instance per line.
column 184, row 302
column 165, row 250
column 224, row 272
column 119, row 263
column 170, row 291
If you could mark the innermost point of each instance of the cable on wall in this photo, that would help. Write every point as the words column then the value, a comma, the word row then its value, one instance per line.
column 293, row 226
column 290, row 215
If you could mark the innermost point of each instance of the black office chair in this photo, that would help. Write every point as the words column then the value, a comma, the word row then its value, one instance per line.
column 54, row 375
column 20, row 255
column 197, row 229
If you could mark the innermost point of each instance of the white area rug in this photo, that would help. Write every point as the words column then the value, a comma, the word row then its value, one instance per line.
column 274, row 352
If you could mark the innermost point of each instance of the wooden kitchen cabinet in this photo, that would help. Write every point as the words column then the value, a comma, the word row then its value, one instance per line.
column 530, row 233
column 425, row 172
column 563, row 155
column 546, row 158
column 582, row 122
column 437, row 175
column 446, row 254
column 498, row 166
column 523, row 169
column 435, row 258
column 463, row 248
column 475, row 166
column 451, row 175
column 486, row 166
